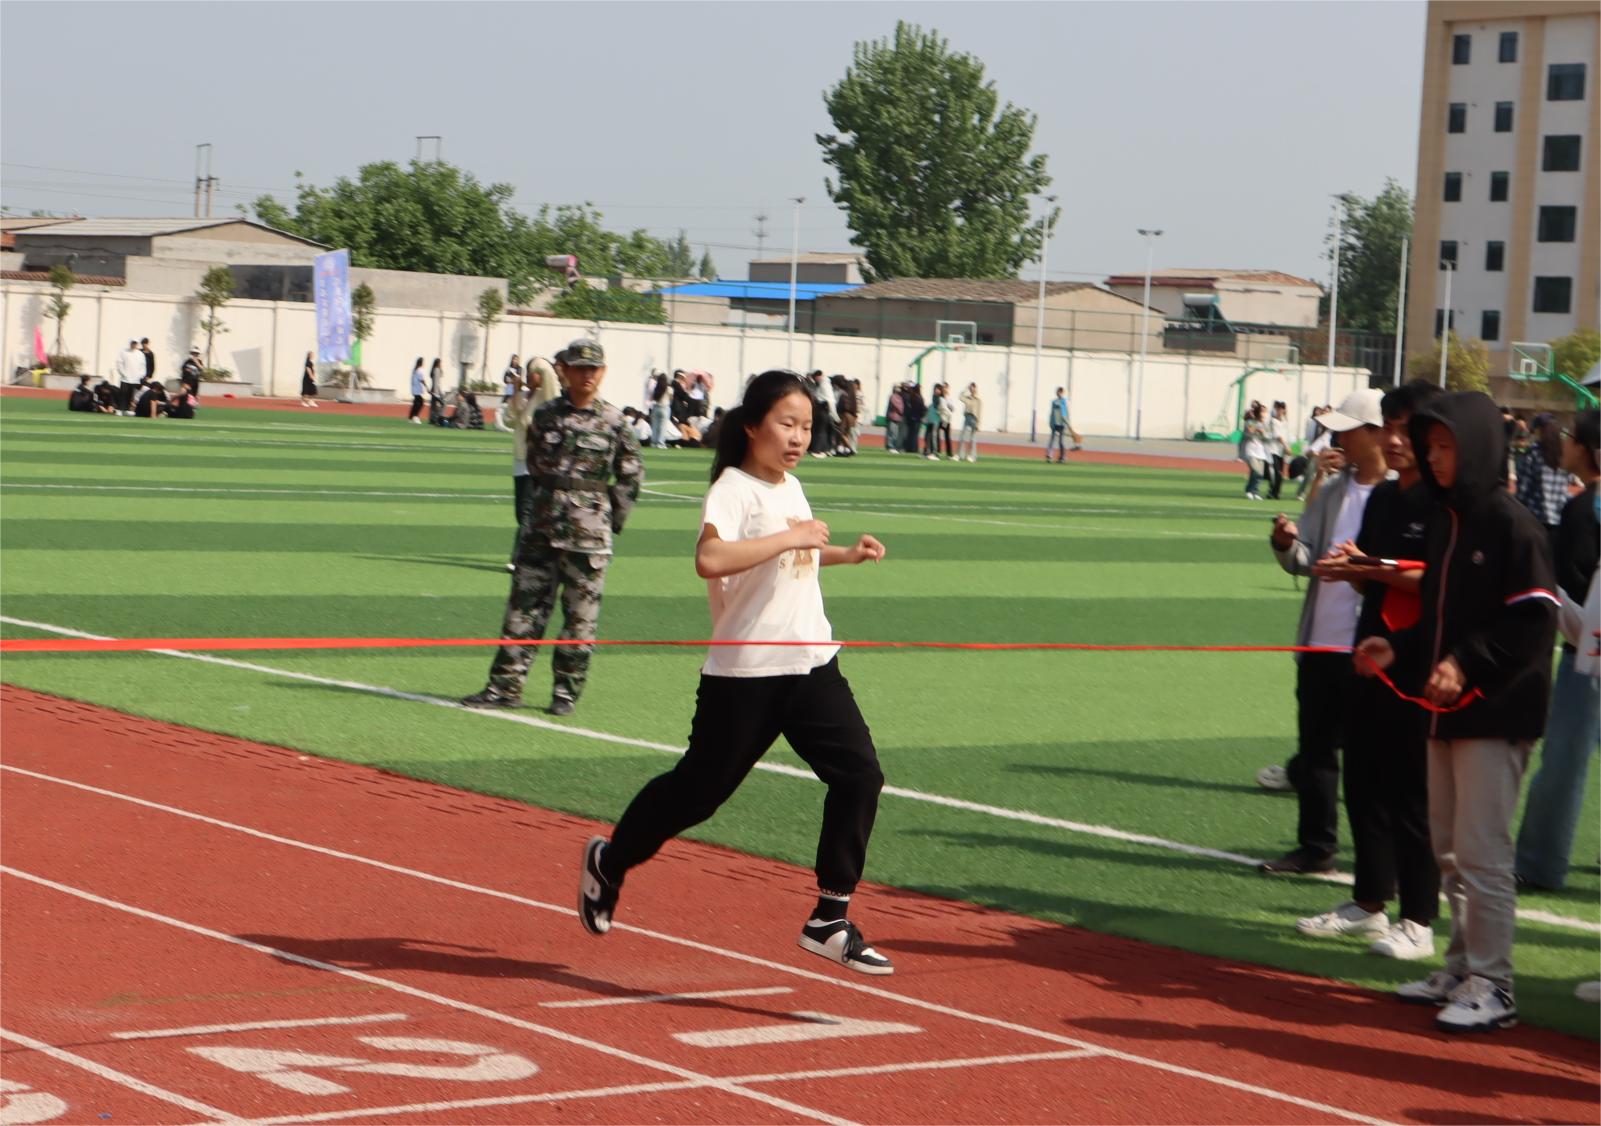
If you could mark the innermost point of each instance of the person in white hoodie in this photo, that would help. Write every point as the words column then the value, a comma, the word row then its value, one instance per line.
column 130, row 373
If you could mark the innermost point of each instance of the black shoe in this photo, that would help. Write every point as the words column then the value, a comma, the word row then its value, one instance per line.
column 840, row 941
column 597, row 897
column 562, row 705
column 1298, row 862
column 489, row 698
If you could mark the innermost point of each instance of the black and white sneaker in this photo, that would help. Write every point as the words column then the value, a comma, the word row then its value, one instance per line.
column 597, row 897
column 840, row 941
column 489, row 698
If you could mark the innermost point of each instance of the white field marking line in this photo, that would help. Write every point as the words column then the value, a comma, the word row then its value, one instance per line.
column 653, row 998
column 121, row 1079
column 651, row 1088
column 225, row 489
column 1024, row 816
column 292, row 443
column 733, row 955
column 213, row 1029
column 436, row 998
column 676, row 941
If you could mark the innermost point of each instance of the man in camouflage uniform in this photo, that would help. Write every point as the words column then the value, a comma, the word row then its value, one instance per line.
column 585, row 469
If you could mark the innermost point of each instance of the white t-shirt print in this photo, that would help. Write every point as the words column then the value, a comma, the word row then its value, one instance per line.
column 779, row 600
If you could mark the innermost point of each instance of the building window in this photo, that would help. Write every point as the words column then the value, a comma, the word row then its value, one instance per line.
column 1439, row 322
column 1490, row 324
column 1561, row 153
column 1499, row 182
column 1456, row 120
column 1557, row 224
column 1448, row 251
column 1461, row 49
column 847, row 331
column 1509, row 47
column 1494, row 256
column 1453, row 187
column 1503, row 117
column 1553, row 295
column 1564, row 82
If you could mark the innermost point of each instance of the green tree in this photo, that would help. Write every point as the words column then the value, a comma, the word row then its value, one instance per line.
column 216, row 290
column 934, row 179
column 490, row 306
column 1467, row 366
column 581, row 303
column 681, row 259
column 430, row 217
column 1576, row 353
column 363, row 304
column 1370, row 257
column 61, row 280
column 707, row 268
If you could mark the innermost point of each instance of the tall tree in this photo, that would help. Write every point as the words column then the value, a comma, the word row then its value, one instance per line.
column 1370, row 257
column 934, row 178
column 707, row 268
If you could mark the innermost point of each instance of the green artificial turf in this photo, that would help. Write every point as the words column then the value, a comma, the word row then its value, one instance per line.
column 250, row 523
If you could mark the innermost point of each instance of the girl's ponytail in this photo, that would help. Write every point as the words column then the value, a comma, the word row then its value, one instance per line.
column 733, row 444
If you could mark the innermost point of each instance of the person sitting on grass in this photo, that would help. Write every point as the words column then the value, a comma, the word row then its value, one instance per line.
column 82, row 397
column 1481, row 654
column 183, row 403
column 105, row 397
column 152, row 400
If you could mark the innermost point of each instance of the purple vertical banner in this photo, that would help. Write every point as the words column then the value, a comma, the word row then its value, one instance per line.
column 331, row 288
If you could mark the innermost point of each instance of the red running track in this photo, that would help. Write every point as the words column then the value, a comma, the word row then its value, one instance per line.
column 202, row 928
column 988, row 449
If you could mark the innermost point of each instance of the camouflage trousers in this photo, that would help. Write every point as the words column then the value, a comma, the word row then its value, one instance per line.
column 542, row 571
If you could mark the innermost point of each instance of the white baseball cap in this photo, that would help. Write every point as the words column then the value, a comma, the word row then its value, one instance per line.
column 1359, row 408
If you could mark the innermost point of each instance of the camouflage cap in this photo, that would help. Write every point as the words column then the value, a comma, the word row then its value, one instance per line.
column 582, row 354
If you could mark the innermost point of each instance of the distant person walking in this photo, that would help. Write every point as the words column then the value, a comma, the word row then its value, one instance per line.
column 419, row 388
column 895, row 418
column 308, row 382
column 1253, row 449
column 192, row 370
column 130, row 373
column 1278, row 445
column 1061, row 422
column 972, row 417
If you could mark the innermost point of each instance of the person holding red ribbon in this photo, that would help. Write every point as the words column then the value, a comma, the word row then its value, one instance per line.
column 1482, row 651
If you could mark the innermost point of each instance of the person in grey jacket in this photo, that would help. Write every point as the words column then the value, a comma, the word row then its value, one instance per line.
column 1328, row 620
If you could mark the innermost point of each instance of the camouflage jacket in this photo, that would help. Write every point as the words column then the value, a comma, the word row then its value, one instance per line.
column 586, row 472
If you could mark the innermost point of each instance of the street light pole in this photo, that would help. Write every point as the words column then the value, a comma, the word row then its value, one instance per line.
column 1334, row 298
column 1039, row 321
column 794, row 272
column 1400, row 317
column 1445, row 322
column 1151, row 235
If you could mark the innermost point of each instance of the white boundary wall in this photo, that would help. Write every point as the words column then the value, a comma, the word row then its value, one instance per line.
column 266, row 343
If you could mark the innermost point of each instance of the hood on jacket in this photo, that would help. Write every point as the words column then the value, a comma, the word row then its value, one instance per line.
column 1480, row 446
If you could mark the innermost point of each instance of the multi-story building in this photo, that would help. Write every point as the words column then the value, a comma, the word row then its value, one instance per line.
column 1508, row 185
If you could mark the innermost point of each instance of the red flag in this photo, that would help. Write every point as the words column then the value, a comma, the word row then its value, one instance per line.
column 38, row 344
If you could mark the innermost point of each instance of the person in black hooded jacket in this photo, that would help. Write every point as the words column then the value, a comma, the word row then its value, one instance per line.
column 1482, row 654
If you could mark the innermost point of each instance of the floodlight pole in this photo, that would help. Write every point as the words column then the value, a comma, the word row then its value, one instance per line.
column 1445, row 321
column 1151, row 235
column 1334, row 298
column 1400, row 317
column 794, row 273
column 1039, row 322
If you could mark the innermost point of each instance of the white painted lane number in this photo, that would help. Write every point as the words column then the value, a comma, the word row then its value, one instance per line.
column 293, row 1070
column 21, row 1105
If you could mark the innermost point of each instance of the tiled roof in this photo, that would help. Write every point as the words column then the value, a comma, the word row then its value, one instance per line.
column 998, row 290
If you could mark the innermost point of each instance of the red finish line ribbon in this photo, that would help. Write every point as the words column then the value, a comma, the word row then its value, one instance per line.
column 226, row 644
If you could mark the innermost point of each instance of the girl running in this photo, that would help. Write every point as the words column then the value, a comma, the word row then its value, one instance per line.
column 759, row 553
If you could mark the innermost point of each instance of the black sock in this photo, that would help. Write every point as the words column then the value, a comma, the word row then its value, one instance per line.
column 830, row 907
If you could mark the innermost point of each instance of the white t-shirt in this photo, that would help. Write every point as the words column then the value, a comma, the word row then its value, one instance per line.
column 1338, row 604
column 779, row 600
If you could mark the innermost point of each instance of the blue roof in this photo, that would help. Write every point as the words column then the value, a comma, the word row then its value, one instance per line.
column 761, row 290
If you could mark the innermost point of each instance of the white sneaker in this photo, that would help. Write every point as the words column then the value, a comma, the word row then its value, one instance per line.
column 1347, row 918
column 1405, row 941
column 416, row 422
column 1588, row 991
column 1479, row 1005
column 1273, row 778
column 972, row 457
column 1436, row 989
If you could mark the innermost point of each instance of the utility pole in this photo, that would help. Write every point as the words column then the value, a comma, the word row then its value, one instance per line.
column 1039, row 320
column 1400, row 317
column 794, row 274
column 1334, row 297
column 761, row 234
column 1445, row 321
column 1151, row 235
column 202, row 175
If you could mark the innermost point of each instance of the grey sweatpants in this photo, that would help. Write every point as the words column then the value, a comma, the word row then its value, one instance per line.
column 1473, row 793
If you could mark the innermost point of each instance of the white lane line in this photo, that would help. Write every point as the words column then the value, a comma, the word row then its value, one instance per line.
column 212, row 1029
column 121, row 1079
column 401, row 1112
column 1105, row 832
column 435, row 998
column 805, row 1026
column 733, row 955
column 654, row 998
column 247, row 491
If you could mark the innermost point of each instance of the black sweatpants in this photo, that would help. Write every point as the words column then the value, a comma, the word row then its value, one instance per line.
column 1322, row 695
column 736, row 720
column 416, row 406
column 1387, row 802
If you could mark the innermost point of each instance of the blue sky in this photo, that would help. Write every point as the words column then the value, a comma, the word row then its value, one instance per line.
column 1229, row 125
